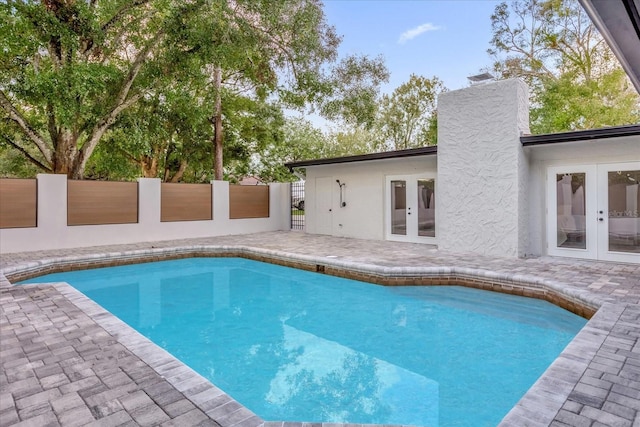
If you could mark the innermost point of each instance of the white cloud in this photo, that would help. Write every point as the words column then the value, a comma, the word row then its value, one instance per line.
column 415, row 32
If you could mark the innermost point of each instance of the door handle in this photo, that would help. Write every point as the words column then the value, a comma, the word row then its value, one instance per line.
column 600, row 219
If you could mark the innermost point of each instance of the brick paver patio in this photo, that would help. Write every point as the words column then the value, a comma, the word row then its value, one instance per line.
column 65, row 361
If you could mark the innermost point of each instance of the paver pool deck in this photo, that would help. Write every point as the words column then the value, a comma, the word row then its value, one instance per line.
column 66, row 361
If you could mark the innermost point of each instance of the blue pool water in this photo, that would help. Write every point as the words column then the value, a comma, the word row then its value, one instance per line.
column 298, row 346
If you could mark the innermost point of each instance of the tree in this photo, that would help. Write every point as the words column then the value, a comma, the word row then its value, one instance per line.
column 547, row 38
column 567, row 103
column 355, row 84
column 575, row 79
column 300, row 141
column 521, row 31
column 282, row 48
column 350, row 141
column 69, row 69
column 252, row 129
column 164, row 135
column 408, row 116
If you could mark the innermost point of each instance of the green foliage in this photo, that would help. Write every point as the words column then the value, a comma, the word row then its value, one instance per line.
column 251, row 133
column 521, row 31
column 14, row 165
column 121, row 88
column 352, row 141
column 356, row 84
column 68, row 70
column 565, row 104
column 408, row 116
column 300, row 141
column 164, row 134
column 110, row 164
column 103, row 88
column 575, row 79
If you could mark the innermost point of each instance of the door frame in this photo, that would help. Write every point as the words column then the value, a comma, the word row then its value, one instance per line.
column 603, row 207
column 411, row 221
column 596, row 193
column 590, row 251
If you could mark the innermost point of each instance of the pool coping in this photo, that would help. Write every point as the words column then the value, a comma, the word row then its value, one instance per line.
column 538, row 406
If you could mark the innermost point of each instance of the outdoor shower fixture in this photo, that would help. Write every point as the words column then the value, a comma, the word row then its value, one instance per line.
column 342, row 186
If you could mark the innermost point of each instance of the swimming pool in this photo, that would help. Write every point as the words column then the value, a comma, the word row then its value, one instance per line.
column 298, row 346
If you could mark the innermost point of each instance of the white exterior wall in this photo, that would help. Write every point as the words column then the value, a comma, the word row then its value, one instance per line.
column 541, row 157
column 364, row 215
column 491, row 191
column 52, row 231
column 483, row 170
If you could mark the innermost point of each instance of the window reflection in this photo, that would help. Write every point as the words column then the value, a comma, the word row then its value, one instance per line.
column 624, row 221
column 399, row 207
column 571, row 208
column 426, row 208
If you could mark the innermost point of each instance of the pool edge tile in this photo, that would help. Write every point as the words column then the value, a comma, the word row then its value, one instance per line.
column 597, row 329
column 184, row 379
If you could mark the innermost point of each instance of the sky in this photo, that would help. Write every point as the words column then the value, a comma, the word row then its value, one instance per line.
column 444, row 38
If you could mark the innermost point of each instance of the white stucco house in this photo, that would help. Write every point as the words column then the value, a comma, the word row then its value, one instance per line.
column 488, row 187
column 491, row 188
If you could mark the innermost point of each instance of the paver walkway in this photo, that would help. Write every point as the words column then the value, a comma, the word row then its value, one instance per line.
column 67, row 362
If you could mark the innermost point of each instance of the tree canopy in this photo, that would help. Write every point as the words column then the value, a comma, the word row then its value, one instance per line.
column 204, row 89
column 148, row 76
column 408, row 116
column 69, row 68
column 576, row 80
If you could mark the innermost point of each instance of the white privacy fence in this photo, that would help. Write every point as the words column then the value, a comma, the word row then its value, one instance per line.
column 47, row 213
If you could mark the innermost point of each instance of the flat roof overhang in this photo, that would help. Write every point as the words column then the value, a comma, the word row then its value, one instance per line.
column 619, row 23
column 580, row 135
column 621, row 143
column 422, row 151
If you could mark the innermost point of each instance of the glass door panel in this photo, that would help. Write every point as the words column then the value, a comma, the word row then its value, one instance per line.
column 570, row 210
column 410, row 206
column 622, row 218
column 398, row 207
column 426, row 208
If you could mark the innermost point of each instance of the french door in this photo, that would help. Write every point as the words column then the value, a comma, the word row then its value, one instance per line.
column 593, row 211
column 411, row 208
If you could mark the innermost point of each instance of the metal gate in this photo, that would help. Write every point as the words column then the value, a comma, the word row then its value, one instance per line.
column 297, row 205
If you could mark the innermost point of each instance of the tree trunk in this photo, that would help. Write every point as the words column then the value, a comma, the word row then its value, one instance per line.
column 65, row 155
column 149, row 166
column 180, row 173
column 218, row 170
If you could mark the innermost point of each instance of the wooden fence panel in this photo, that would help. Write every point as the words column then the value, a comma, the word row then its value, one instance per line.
column 102, row 202
column 18, row 203
column 185, row 202
column 248, row 201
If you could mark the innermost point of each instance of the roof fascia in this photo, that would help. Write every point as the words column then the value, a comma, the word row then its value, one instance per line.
column 580, row 135
column 422, row 151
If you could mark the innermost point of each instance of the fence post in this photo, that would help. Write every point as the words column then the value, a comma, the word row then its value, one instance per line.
column 280, row 204
column 220, row 200
column 52, row 206
column 149, row 203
